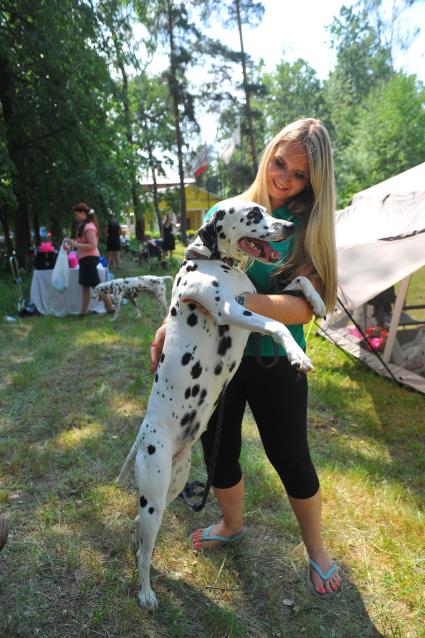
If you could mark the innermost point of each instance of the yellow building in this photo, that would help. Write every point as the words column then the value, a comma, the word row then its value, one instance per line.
column 198, row 201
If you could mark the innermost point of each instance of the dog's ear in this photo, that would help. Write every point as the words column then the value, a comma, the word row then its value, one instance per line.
column 205, row 243
column 208, row 236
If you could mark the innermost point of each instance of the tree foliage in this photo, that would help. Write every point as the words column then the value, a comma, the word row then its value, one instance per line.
column 388, row 137
column 56, row 93
column 82, row 117
column 293, row 91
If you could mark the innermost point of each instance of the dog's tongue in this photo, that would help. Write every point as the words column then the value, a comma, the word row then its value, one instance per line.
column 258, row 248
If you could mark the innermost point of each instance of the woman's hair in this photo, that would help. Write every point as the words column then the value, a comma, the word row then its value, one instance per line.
column 314, row 252
column 82, row 207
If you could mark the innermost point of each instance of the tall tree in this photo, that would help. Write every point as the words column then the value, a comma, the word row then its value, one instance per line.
column 362, row 63
column 365, row 41
column 236, row 14
column 117, row 18
column 293, row 91
column 388, row 138
column 170, row 25
column 390, row 26
column 155, row 136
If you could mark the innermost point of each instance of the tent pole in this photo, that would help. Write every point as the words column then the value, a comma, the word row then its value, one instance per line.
column 395, row 319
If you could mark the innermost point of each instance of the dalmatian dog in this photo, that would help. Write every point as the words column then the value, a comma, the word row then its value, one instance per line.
column 201, row 354
column 129, row 288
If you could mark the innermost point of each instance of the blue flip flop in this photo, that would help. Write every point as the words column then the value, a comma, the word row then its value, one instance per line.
column 223, row 540
column 324, row 576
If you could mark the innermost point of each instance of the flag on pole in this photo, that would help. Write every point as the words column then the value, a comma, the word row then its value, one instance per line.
column 200, row 163
column 228, row 149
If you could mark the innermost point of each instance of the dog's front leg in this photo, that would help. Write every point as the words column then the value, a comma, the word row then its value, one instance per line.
column 236, row 315
column 136, row 305
column 228, row 311
column 117, row 301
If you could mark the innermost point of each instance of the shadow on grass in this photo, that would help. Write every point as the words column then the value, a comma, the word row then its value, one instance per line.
column 386, row 420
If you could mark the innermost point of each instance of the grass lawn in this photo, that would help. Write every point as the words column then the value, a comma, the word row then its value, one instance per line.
column 72, row 394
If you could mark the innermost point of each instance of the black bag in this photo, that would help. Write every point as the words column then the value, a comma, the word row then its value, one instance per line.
column 44, row 261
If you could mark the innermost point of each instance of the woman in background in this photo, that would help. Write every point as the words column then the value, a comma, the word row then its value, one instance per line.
column 168, row 239
column 113, row 243
column 86, row 245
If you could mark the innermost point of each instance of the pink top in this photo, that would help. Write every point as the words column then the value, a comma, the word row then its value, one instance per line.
column 90, row 236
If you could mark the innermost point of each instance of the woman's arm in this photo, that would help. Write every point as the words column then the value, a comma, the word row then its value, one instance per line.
column 284, row 308
column 157, row 345
column 91, row 240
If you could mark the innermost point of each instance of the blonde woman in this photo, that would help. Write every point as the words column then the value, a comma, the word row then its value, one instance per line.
column 295, row 182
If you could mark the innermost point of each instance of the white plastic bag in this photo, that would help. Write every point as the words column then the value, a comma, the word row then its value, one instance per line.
column 60, row 274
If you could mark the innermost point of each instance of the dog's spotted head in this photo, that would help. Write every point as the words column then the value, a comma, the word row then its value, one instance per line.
column 240, row 229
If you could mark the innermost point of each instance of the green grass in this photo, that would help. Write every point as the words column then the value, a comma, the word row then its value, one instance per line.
column 72, row 394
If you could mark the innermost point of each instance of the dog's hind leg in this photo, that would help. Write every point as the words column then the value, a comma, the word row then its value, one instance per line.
column 153, row 474
column 179, row 473
column 161, row 295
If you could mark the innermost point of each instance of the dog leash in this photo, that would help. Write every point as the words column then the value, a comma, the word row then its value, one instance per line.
column 196, row 488
column 190, row 488
column 257, row 337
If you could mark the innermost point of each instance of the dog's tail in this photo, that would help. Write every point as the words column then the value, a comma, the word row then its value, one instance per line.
column 128, row 463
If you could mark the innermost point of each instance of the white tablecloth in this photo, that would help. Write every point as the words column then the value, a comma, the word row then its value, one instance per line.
column 49, row 301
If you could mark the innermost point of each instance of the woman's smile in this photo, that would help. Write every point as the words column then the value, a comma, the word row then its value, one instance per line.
column 287, row 173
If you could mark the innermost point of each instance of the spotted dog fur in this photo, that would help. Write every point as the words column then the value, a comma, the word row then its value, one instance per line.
column 130, row 287
column 201, row 354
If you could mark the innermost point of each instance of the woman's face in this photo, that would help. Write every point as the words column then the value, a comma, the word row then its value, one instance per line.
column 80, row 215
column 287, row 173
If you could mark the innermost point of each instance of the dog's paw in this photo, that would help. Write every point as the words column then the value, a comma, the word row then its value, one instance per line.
column 147, row 599
column 299, row 359
column 310, row 293
column 317, row 305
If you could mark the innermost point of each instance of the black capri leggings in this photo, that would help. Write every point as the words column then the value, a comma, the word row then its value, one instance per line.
column 277, row 397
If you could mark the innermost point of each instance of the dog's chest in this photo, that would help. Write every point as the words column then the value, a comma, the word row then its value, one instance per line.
column 198, row 359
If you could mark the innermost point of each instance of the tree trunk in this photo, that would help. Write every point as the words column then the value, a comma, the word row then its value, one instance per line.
column 248, row 111
column 155, row 195
column 6, row 232
column 36, row 226
column 22, row 232
column 179, row 138
column 137, row 206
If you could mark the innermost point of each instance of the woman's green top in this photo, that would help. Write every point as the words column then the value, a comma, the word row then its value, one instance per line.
column 260, row 275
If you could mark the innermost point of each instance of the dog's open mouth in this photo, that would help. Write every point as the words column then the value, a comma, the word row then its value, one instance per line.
column 258, row 249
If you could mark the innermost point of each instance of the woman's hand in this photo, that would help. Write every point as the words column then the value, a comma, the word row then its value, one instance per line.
column 157, row 346
column 68, row 243
column 159, row 338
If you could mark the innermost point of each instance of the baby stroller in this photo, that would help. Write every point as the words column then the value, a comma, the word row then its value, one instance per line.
column 14, row 266
column 24, row 309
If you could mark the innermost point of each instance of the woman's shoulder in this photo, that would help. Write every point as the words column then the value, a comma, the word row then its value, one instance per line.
column 90, row 226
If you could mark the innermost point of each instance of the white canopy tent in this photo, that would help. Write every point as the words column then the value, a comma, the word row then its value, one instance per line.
column 380, row 242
